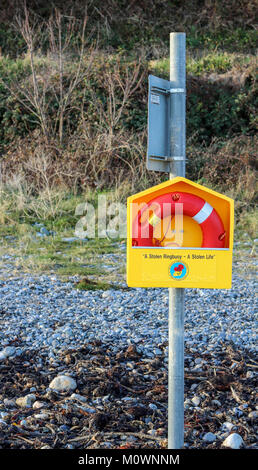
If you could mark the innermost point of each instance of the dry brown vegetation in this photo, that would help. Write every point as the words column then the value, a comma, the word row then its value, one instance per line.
column 73, row 103
column 121, row 423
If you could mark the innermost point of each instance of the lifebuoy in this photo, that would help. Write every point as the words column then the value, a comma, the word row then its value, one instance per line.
column 213, row 233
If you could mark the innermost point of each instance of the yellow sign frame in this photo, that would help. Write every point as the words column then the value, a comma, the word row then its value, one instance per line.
column 209, row 268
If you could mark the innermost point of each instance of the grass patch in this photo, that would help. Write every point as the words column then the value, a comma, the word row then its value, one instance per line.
column 246, row 228
column 66, row 259
column 219, row 62
column 89, row 284
column 101, row 260
column 222, row 38
column 32, row 252
column 203, row 62
column 72, row 268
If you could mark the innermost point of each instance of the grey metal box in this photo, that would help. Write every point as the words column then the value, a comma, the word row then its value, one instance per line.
column 158, row 150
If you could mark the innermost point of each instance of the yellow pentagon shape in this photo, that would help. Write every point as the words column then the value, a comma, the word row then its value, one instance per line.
column 179, row 251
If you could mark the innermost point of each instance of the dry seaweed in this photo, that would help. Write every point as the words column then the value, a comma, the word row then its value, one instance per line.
column 121, row 399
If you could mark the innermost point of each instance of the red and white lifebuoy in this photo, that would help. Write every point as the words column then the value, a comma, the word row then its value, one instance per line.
column 213, row 232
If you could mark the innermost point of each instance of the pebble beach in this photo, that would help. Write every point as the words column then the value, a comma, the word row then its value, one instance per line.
column 67, row 346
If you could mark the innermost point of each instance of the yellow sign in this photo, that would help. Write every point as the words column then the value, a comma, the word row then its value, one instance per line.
column 180, row 234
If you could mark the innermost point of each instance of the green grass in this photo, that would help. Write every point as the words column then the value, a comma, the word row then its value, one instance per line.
column 219, row 62
column 91, row 259
column 203, row 62
column 66, row 259
column 225, row 39
column 18, row 215
column 246, row 227
column 89, row 284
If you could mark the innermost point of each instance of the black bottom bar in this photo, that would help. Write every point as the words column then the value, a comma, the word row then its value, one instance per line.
column 112, row 459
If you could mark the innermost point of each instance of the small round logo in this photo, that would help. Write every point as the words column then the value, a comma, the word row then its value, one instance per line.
column 178, row 270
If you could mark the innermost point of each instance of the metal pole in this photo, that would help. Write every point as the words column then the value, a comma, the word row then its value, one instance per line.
column 177, row 104
column 176, row 295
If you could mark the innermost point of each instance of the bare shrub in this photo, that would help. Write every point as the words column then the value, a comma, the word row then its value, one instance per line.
column 231, row 166
column 226, row 161
column 49, row 93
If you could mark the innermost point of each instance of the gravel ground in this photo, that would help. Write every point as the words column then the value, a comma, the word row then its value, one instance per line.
column 45, row 312
column 113, row 347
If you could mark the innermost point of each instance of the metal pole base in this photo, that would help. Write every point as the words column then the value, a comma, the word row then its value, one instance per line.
column 176, row 369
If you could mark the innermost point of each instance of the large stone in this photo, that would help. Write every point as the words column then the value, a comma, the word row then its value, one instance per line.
column 63, row 383
column 2, row 356
column 9, row 403
column 209, row 437
column 227, row 426
column 196, row 400
column 26, row 402
column 41, row 416
column 37, row 405
column 234, row 441
column 75, row 396
column 9, row 351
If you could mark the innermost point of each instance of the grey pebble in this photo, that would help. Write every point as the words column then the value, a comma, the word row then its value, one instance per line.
column 51, row 316
column 153, row 407
column 209, row 437
column 233, row 441
column 26, row 401
column 9, row 403
column 34, row 304
column 196, row 400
